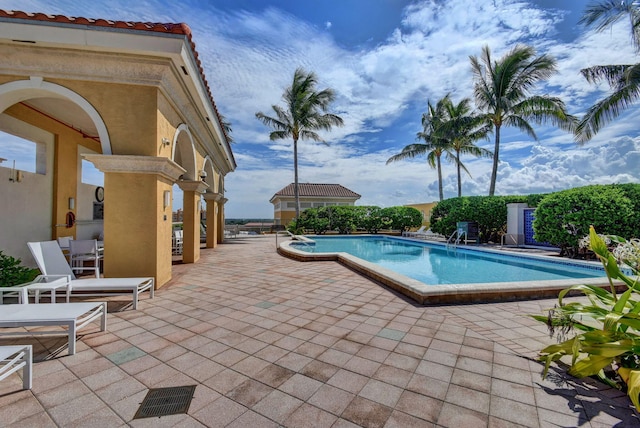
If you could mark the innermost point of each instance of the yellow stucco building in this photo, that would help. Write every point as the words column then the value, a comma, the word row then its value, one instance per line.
column 425, row 208
column 130, row 98
column 311, row 195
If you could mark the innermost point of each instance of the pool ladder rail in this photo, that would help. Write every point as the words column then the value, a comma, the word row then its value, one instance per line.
column 458, row 234
column 293, row 237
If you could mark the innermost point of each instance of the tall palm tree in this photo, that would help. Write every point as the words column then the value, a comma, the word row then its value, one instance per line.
column 304, row 114
column 435, row 145
column 623, row 79
column 464, row 129
column 502, row 92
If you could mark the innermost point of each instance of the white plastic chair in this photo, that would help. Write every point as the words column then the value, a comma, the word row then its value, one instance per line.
column 82, row 251
column 52, row 263
column 177, row 242
column 63, row 241
column 412, row 234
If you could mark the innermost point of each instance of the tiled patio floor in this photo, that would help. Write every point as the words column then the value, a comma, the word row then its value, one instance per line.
column 273, row 342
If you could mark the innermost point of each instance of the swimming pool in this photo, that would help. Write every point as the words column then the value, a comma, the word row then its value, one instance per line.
column 437, row 264
column 429, row 272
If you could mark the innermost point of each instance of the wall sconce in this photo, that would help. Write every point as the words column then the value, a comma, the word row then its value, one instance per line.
column 166, row 199
column 202, row 174
column 166, row 142
column 72, row 203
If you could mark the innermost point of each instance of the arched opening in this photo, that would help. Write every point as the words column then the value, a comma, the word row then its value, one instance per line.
column 44, row 129
column 184, row 154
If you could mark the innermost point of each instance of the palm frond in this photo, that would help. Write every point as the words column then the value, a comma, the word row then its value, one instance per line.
column 521, row 123
column 542, row 108
column 409, row 152
column 602, row 15
column 614, row 75
column 606, row 110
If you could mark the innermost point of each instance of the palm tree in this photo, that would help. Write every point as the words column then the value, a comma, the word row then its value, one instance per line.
column 464, row 129
column 226, row 127
column 502, row 91
column 434, row 145
column 305, row 113
column 623, row 79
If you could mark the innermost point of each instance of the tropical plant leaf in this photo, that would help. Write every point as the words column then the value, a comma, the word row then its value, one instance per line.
column 633, row 387
column 589, row 366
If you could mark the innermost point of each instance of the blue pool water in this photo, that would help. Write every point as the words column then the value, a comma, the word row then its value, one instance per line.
column 435, row 264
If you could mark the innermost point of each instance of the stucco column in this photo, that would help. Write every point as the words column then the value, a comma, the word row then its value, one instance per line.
column 212, row 218
column 191, row 219
column 220, row 204
column 137, row 221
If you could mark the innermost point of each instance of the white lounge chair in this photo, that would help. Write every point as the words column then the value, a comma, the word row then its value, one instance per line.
column 74, row 316
column 428, row 234
column 52, row 263
column 14, row 358
column 410, row 234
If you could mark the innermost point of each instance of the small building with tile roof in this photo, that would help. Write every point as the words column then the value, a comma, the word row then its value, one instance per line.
column 311, row 195
column 132, row 99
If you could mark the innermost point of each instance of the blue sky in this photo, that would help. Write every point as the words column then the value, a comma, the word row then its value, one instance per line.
column 385, row 59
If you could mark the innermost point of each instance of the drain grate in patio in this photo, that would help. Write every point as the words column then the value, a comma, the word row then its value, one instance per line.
column 165, row 401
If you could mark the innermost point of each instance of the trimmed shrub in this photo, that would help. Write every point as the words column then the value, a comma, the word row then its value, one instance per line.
column 401, row 218
column 347, row 219
column 564, row 217
column 490, row 212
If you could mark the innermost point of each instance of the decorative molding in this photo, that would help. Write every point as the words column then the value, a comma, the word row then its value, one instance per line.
column 193, row 186
column 212, row 196
column 137, row 165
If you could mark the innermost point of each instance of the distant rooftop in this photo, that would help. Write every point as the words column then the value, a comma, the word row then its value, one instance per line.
column 317, row 190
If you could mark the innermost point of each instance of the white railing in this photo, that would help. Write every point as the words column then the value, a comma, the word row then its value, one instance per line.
column 458, row 234
column 284, row 232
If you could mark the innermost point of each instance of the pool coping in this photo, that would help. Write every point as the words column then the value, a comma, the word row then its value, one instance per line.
column 447, row 293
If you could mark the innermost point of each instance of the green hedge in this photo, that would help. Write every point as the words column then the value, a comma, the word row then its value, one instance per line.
column 489, row 211
column 347, row 219
column 564, row 217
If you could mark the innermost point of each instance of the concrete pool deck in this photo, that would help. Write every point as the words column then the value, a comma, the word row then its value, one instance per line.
column 269, row 341
column 448, row 293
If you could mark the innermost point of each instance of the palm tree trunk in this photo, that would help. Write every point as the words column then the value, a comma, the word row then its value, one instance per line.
column 295, row 179
column 459, row 176
column 440, row 179
column 496, row 157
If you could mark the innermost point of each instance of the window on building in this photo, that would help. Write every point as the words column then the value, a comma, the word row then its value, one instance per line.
column 22, row 155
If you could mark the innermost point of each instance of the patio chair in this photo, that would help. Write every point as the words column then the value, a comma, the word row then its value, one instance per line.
column 14, row 358
column 410, row 234
column 63, row 241
column 83, row 251
column 428, row 234
column 51, row 262
column 177, row 242
column 74, row 316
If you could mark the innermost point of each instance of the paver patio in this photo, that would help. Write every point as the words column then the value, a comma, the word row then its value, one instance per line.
column 274, row 342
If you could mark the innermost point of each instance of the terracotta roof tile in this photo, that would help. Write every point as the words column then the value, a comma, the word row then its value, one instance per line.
column 171, row 28
column 313, row 189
